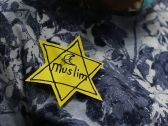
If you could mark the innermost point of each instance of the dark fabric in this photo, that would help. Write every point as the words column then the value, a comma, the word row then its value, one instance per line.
column 133, row 82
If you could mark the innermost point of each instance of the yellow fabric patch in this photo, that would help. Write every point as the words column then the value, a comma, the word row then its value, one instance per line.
column 67, row 70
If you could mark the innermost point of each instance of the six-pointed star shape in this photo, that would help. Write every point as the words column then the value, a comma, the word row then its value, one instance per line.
column 67, row 70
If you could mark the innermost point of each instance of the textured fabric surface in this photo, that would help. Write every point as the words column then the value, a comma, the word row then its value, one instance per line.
column 133, row 82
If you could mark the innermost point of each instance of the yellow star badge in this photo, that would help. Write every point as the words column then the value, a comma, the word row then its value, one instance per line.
column 67, row 70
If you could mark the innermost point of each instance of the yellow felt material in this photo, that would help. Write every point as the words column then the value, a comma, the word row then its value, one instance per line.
column 67, row 70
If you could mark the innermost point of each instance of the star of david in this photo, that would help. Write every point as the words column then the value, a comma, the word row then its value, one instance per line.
column 67, row 70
